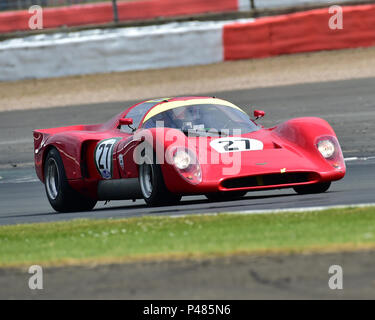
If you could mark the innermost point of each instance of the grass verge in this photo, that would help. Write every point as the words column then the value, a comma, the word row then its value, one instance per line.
column 153, row 238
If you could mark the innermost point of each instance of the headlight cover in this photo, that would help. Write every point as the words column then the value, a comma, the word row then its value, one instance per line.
column 326, row 148
column 186, row 163
column 329, row 148
column 181, row 159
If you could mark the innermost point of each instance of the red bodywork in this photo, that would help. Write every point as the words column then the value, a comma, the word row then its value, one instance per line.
column 289, row 157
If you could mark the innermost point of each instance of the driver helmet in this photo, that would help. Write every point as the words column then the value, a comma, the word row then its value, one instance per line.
column 189, row 113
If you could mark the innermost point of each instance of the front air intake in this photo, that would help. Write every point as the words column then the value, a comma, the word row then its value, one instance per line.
column 276, row 179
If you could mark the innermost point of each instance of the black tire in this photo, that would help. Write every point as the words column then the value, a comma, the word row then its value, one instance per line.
column 313, row 188
column 157, row 193
column 61, row 196
column 225, row 196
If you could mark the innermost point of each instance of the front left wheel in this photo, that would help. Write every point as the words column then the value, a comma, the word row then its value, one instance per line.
column 61, row 196
column 153, row 188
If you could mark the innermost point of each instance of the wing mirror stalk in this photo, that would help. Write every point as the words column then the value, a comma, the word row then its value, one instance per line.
column 127, row 122
column 259, row 114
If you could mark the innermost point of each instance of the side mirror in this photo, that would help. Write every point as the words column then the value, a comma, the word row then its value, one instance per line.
column 259, row 114
column 126, row 121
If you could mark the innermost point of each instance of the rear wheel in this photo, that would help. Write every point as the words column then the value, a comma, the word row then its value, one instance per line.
column 313, row 188
column 61, row 196
column 225, row 196
column 153, row 188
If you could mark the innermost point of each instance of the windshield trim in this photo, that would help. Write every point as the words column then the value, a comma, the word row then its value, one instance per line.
column 159, row 108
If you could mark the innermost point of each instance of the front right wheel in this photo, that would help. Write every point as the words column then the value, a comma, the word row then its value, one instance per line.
column 225, row 196
column 313, row 188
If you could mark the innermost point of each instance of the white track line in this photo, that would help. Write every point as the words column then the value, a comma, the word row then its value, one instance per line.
column 12, row 142
column 358, row 158
column 268, row 211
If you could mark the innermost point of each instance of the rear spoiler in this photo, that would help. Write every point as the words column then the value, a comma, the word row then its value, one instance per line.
column 53, row 131
column 41, row 135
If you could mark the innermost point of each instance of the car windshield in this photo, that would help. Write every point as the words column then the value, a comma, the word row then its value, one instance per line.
column 204, row 118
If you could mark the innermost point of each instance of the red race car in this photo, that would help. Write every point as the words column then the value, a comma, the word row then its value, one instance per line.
column 160, row 150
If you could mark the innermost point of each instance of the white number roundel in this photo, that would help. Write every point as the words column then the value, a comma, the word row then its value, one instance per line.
column 103, row 157
column 236, row 144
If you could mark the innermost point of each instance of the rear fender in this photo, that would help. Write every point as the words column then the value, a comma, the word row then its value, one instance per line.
column 69, row 147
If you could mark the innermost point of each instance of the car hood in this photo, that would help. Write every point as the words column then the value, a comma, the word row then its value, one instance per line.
column 256, row 153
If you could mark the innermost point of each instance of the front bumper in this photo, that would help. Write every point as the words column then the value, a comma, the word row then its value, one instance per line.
column 258, row 171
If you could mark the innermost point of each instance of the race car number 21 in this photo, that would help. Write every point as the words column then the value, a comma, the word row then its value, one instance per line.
column 103, row 157
column 236, row 144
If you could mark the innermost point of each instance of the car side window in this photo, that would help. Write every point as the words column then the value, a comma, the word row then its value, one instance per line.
column 137, row 114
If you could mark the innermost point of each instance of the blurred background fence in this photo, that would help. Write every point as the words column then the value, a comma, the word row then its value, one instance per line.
column 96, row 49
column 14, row 14
column 25, row 4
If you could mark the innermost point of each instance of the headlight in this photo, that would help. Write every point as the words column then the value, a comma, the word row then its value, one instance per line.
column 326, row 148
column 181, row 159
column 329, row 148
column 186, row 164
